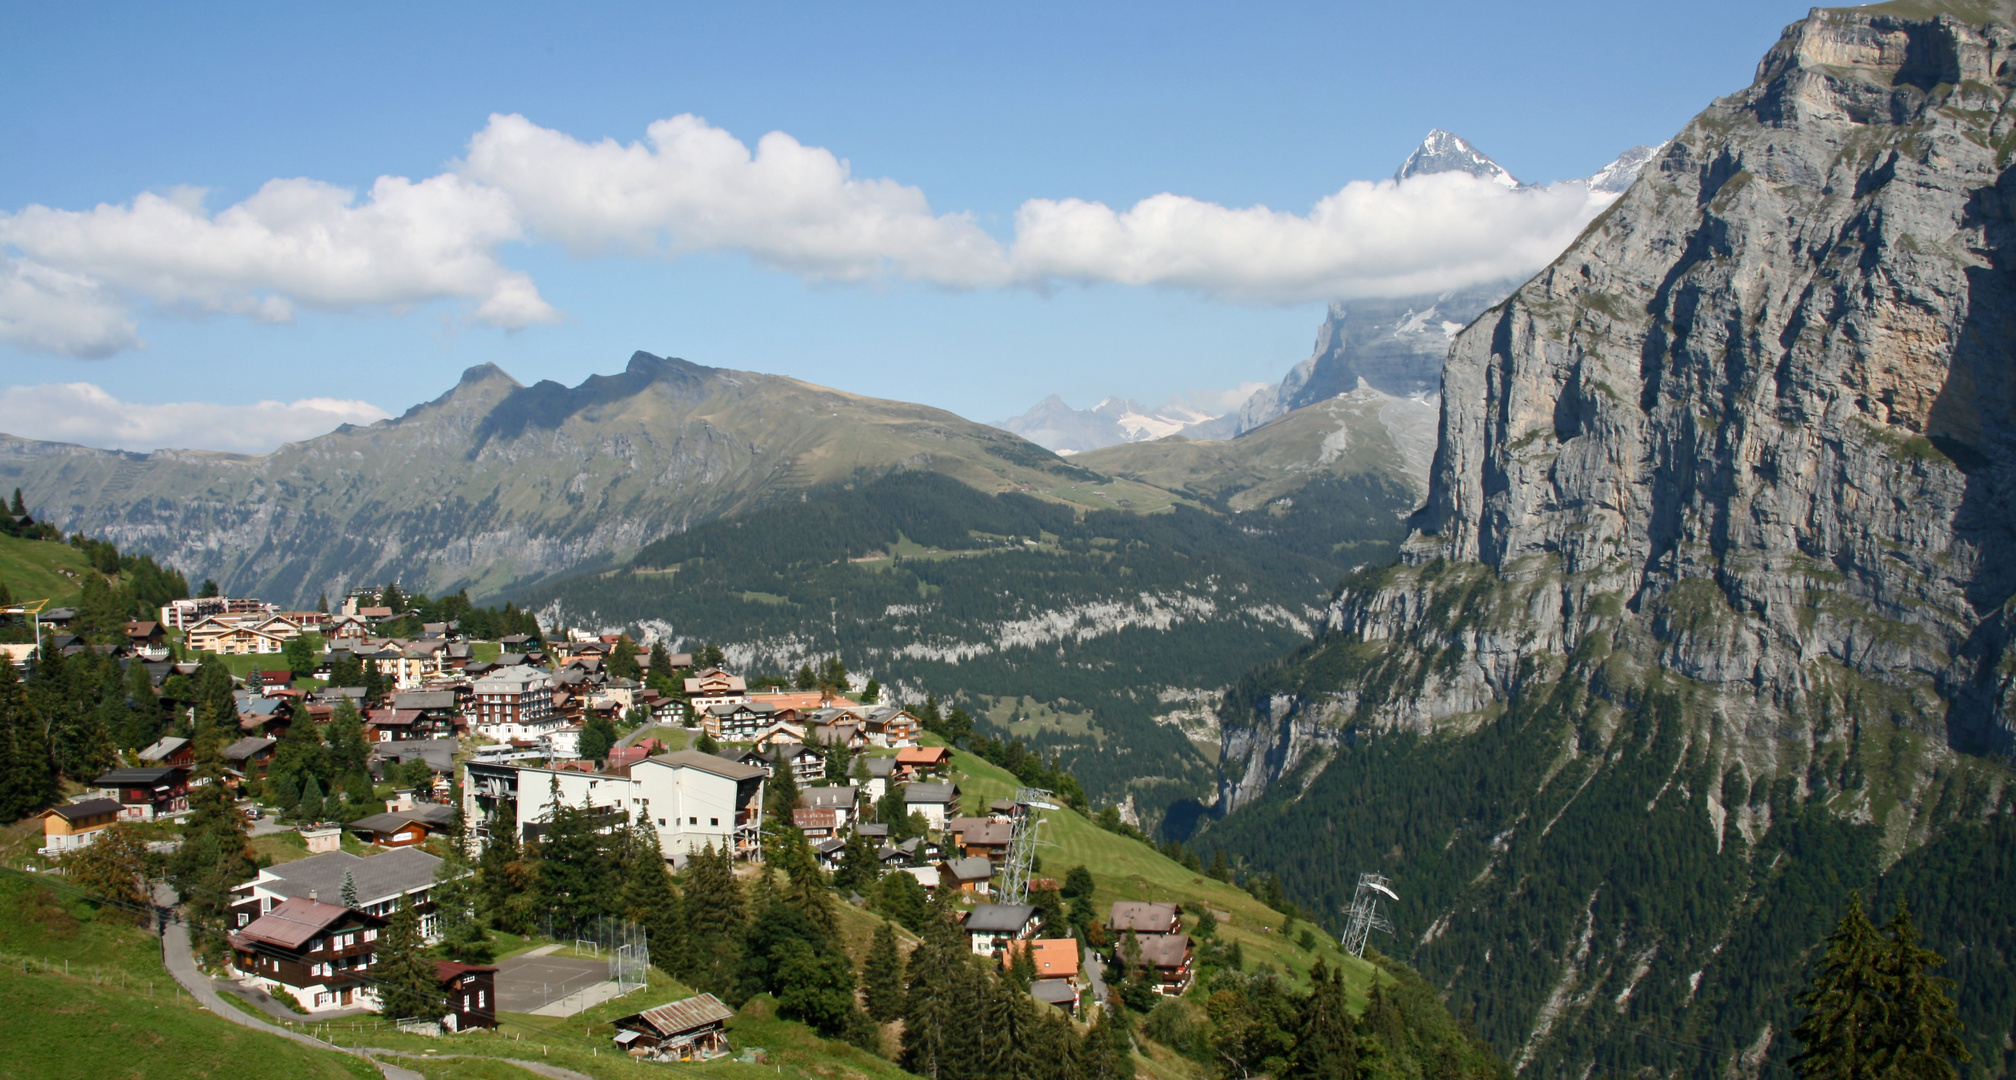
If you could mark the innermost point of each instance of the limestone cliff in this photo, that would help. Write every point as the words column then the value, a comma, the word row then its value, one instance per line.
column 1721, row 499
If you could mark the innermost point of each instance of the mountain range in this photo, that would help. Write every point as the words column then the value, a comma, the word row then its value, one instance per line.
column 1394, row 345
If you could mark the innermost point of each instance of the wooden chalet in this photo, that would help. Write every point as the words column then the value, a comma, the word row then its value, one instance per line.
column 471, row 990
column 73, row 825
column 694, row 1029
column 319, row 954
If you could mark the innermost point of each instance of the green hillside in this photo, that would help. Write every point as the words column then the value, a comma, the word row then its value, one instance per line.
column 42, row 570
column 1127, row 620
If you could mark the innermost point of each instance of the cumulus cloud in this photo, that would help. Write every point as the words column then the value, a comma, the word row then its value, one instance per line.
column 1390, row 238
column 71, row 280
column 46, row 310
column 293, row 242
column 695, row 187
column 83, row 413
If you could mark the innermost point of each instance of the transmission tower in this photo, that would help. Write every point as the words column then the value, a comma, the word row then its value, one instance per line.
column 1363, row 917
column 1023, row 843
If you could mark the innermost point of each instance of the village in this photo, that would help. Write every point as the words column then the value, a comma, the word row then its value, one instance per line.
column 482, row 754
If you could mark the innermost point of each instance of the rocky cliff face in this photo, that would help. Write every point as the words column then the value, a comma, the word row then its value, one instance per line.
column 1735, row 473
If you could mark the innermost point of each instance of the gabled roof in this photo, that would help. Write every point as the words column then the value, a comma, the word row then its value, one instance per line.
column 446, row 971
column 999, row 918
column 679, row 1017
column 247, row 748
column 1143, row 917
column 163, row 748
column 376, row 879
column 1055, row 958
column 807, row 818
column 1164, row 950
column 938, row 792
column 77, row 811
column 294, row 922
column 971, row 868
column 923, row 755
column 828, row 797
column 424, row 699
column 694, row 759
column 122, row 777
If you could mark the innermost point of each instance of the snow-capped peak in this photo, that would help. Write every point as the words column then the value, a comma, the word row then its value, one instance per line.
column 1444, row 151
column 1617, row 176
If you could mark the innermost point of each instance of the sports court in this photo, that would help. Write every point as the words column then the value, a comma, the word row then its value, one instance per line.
column 543, row 984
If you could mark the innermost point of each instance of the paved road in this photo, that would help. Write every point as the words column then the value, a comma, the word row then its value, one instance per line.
column 1095, row 973
column 181, row 963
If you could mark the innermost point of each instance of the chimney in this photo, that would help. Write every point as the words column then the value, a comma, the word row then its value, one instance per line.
column 314, row 895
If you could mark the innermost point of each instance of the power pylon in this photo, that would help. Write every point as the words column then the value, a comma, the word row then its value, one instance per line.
column 1363, row 917
column 1023, row 842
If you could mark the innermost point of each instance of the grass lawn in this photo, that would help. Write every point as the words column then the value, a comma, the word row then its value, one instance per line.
column 117, row 1013
column 674, row 738
column 1126, row 869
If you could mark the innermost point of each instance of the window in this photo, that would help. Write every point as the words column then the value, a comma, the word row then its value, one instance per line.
column 661, row 822
column 692, row 821
column 713, row 821
column 370, row 935
column 243, row 918
column 479, row 1000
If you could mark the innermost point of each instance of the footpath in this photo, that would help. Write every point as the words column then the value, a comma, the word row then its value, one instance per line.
column 180, row 960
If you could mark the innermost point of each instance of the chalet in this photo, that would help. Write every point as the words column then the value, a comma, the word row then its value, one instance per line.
column 815, row 824
column 889, row 726
column 267, row 716
column 416, row 663
column 804, row 701
column 436, row 704
column 405, row 827
column 873, row 831
column 739, row 721
column 183, row 614
column 921, row 761
column 706, row 689
column 471, row 991
column 220, row 634
column 392, row 725
column 382, row 882
column 1170, row 955
column 250, row 755
column 144, row 634
column 694, row 1029
column 73, row 825
column 982, row 837
column 879, row 769
column 840, row 800
column 274, row 624
column 842, row 733
column 346, row 628
column 990, row 927
column 169, row 751
column 807, row 765
column 320, row 954
column 830, row 852
column 936, row 801
column 968, row 875
column 268, row 681
column 146, row 794
column 776, row 732
column 1056, row 964
column 1144, row 917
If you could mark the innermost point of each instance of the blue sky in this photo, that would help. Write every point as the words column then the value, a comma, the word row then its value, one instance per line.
column 977, row 110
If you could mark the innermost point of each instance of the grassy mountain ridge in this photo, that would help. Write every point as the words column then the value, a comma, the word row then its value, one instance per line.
column 495, row 484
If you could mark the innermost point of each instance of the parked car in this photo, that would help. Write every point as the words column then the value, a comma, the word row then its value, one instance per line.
column 253, row 813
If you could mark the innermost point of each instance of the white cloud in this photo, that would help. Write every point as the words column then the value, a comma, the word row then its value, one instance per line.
column 72, row 280
column 83, row 413
column 1215, row 402
column 1389, row 238
column 50, row 311
column 293, row 242
column 697, row 188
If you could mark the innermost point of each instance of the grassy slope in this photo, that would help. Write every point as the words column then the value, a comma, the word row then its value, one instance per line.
column 1126, row 869
column 36, row 570
column 115, row 1013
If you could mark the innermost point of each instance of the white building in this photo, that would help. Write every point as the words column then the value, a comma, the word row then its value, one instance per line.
column 514, row 703
column 690, row 799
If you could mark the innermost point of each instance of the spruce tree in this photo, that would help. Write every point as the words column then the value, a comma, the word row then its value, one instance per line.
column 860, row 868
column 404, row 975
column 1921, row 1041
column 717, row 919
column 349, row 755
column 312, row 801
column 1846, row 1010
column 1326, row 1044
column 349, row 893
column 1108, row 1053
column 27, row 781
column 882, row 976
column 936, row 1003
column 872, row 693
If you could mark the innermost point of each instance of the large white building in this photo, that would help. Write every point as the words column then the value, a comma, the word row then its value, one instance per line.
column 514, row 703
column 690, row 799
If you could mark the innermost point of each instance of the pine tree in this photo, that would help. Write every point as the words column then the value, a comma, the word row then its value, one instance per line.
column 349, row 893
column 882, row 977
column 1921, row 1041
column 456, row 896
column 575, row 879
column 404, row 975
column 935, row 1003
column 312, row 801
column 648, row 897
column 872, row 693
column 1846, row 1008
column 17, row 507
column 1108, row 1054
column 598, row 737
column 860, row 868
column 349, row 755
column 322, row 603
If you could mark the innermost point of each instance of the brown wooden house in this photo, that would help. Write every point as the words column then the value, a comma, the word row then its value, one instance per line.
column 694, row 1029
column 319, row 954
column 472, row 994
